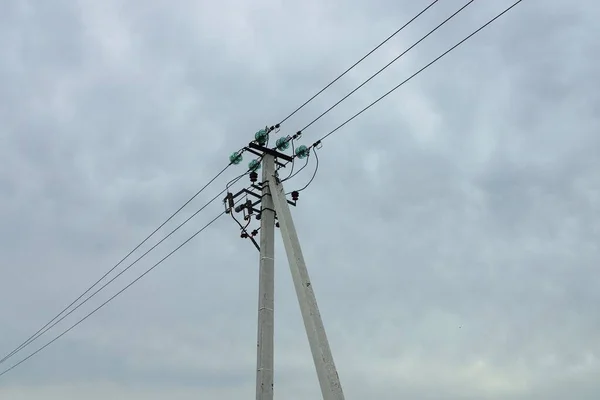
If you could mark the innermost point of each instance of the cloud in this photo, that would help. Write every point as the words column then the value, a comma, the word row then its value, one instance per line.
column 449, row 233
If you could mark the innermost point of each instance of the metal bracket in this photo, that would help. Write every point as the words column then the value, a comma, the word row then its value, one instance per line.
column 253, row 146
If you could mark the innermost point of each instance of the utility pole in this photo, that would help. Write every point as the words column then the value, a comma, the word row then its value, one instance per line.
column 275, row 205
column 329, row 380
column 266, row 287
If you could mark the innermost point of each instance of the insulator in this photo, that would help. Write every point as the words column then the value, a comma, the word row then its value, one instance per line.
column 283, row 143
column 236, row 158
column 254, row 233
column 244, row 235
column 254, row 165
column 230, row 199
column 261, row 136
column 253, row 176
column 302, row 152
column 277, row 224
column 258, row 216
column 249, row 206
column 295, row 195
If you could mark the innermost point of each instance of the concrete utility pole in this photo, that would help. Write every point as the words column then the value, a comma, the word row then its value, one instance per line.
column 266, row 288
column 274, row 205
column 319, row 345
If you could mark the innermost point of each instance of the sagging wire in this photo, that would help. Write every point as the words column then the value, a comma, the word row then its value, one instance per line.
column 245, row 234
column 300, row 170
column 237, row 178
column 314, row 149
column 248, row 217
column 293, row 161
column 360, row 60
column 234, row 181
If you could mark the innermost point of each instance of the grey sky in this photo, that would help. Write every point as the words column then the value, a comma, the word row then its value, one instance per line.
column 451, row 233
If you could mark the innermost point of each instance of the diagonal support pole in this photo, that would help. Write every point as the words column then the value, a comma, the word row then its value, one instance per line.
column 329, row 380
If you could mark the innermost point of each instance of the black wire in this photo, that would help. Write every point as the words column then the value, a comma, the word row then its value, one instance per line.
column 289, row 139
column 37, row 334
column 386, row 66
column 114, row 296
column 314, row 173
column 46, row 329
column 422, row 69
column 244, row 230
column 300, row 170
column 358, row 62
column 218, row 216
column 242, row 227
column 31, row 338
column 293, row 161
column 234, row 181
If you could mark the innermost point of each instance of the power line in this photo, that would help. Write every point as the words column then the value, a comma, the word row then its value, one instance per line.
column 114, row 296
column 421, row 70
column 39, row 332
column 43, row 328
column 359, row 61
column 387, row 65
column 36, row 334
column 57, row 321
column 206, row 226
column 314, row 172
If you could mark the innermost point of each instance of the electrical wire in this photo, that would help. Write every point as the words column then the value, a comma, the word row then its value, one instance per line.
column 37, row 333
column 113, row 297
column 293, row 161
column 359, row 61
column 211, row 181
column 50, row 326
column 245, row 231
column 242, row 227
column 221, row 214
column 52, row 322
column 300, row 170
column 422, row 69
column 387, row 65
column 236, row 179
column 31, row 338
column 314, row 173
column 289, row 139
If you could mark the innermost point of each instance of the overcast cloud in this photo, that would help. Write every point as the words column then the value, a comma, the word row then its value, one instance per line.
column 451, row 233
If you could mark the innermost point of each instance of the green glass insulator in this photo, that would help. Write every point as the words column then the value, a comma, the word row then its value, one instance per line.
column 282, row 143
column 261, row 137
column 235, row 158
column 254, row 165
column 302, row 152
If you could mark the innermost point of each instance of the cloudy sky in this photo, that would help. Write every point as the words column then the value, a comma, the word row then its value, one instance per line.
column 451, row 232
